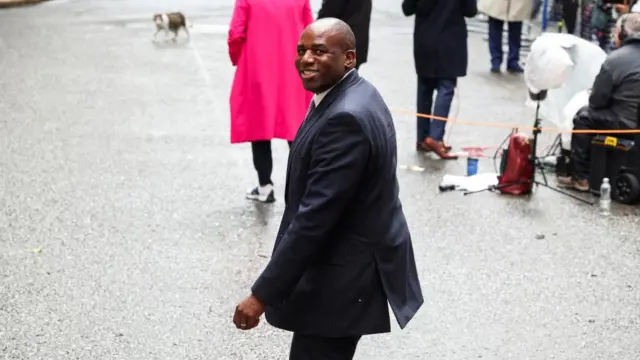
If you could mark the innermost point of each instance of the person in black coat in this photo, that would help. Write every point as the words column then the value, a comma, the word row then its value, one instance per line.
column 343, row 254
column 570, row 14
column 440, row 55
column 357, row 14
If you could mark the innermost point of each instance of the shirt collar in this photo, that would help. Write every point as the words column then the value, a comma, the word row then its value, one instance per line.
column 317, row 98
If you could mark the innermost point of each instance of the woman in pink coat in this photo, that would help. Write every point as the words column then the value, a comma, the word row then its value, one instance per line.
column 267, row 98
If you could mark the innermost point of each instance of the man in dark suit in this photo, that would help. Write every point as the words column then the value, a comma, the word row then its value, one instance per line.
column 357, row 14
column 343, row 249
column 440, row 57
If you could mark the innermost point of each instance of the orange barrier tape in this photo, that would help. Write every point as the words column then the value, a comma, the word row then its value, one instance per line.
column 490, row 124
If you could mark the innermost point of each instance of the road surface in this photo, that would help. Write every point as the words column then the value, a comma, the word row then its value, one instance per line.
column 124, row 233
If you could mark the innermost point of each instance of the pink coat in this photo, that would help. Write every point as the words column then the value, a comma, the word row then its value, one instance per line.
column 267, row 97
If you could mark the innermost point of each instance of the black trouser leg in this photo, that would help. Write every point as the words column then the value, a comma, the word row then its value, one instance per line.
column 581, row 145
column 308, row 347
column 426, row 88
column 262, row 161
column 570, row 14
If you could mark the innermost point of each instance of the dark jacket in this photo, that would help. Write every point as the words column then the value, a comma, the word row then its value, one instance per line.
column 343, row 248
column 615, row 95
column 357, row 14
column 440, row 36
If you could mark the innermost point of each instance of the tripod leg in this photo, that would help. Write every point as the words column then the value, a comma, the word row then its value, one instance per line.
column 540, row 166
column 566, row 193
column 490, row 188
column 557, row 144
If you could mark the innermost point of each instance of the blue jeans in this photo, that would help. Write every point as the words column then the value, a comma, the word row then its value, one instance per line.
column 495, row 43
column 445, row 89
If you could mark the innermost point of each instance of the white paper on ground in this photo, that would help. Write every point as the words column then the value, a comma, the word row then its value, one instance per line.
column 470, row 183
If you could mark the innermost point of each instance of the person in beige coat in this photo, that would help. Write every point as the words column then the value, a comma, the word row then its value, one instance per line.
column 514, row 12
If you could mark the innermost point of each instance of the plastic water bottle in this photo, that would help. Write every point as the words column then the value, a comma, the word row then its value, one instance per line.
column 605, row 197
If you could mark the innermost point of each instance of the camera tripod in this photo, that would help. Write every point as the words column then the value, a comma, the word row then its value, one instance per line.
column 534, row 160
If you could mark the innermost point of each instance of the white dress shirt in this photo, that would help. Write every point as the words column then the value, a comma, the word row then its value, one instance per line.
column 318, row 97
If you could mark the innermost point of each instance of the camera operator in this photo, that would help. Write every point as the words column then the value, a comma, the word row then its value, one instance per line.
column 614, row 98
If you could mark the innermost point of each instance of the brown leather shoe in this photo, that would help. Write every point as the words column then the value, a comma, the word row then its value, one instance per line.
column 565, row 182
column 581, row 185
column 568, row 182
column 439, row 148
column 421, row 147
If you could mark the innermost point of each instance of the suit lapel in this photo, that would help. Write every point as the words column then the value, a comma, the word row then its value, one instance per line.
column 324, row 104
column 316, row 113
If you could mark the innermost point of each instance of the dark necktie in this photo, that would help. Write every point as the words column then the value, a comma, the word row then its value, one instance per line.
column 312, row 107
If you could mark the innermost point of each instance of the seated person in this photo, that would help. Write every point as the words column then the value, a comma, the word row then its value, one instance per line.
column 613, row 102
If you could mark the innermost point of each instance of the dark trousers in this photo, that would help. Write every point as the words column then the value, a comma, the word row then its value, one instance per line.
column 307, row 347
column 570, row 14
column 495, row 43
column 263, row 160
column 445, row 89
column 581, row 143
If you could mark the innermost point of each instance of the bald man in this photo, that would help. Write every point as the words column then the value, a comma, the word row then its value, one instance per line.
column 343, row 251
column 357, row 14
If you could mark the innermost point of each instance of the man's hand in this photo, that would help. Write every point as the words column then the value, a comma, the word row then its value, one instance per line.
column 248, row 312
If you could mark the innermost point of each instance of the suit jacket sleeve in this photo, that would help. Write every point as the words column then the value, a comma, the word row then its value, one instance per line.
column 332, row 8
column 237, row 31
column 339, row 155
column 603, row 85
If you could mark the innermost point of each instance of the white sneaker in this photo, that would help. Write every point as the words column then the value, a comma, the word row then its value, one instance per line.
column 261, row 193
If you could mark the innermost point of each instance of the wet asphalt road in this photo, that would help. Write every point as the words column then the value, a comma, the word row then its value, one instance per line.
column 124, row 233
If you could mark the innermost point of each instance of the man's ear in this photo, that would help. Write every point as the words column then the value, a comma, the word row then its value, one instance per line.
column 616, row 37
column 350, row 61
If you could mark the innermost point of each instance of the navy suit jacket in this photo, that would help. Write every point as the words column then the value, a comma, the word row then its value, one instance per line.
column 343, row 249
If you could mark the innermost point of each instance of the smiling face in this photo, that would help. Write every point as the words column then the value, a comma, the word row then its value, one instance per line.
column 322, row 59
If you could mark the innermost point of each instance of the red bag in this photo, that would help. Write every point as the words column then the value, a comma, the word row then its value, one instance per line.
column 517, row 174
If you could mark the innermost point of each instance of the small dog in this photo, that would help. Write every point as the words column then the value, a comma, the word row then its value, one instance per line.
column 170, row 22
